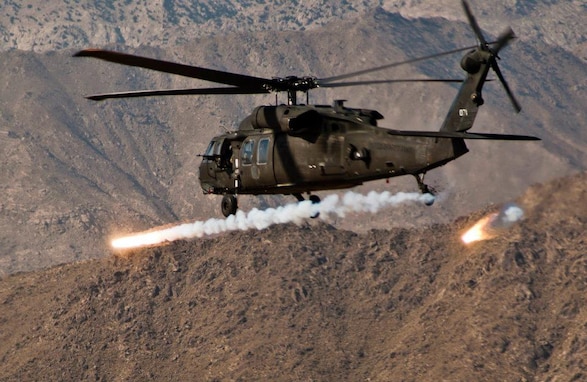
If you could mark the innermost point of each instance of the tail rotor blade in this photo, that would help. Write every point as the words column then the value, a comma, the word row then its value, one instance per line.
column 503, row 39
column 515, row 103
column 473, row 23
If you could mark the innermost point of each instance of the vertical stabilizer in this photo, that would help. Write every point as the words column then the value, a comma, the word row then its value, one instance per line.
column 463, row 111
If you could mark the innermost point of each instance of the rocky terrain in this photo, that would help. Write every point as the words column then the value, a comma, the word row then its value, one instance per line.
column 314, row 302
column 74, row 172
column 62, row 24
column 392, row 296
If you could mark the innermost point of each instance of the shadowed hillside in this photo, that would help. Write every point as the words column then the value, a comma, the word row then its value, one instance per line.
column 317, row 303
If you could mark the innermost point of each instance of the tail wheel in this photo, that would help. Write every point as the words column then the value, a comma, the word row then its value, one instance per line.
column 424, row 188
column 229, row 205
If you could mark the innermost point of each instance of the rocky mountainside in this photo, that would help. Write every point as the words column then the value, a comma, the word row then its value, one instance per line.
column 63, row 24
column 317, row 303
column 75, row 172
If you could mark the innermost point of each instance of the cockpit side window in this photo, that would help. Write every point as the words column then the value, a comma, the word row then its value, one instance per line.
column 247, row 152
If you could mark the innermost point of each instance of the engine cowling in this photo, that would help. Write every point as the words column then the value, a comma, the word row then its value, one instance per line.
column 286, row 119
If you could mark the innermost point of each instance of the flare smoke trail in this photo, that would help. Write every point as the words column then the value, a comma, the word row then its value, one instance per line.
column 332, row 205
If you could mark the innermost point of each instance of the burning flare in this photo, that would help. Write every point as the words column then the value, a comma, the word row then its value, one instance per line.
column 144, row 239
column 489, row 226
column 261, row 219
column 480, row 230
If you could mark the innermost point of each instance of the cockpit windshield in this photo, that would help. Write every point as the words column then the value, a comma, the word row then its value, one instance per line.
column 209, row 150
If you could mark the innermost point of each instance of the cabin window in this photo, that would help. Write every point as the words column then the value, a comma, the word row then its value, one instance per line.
column 263, row 151
column 248, row 152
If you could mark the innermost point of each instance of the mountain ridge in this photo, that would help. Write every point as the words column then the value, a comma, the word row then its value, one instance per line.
column 55, row 25
column 316, row 302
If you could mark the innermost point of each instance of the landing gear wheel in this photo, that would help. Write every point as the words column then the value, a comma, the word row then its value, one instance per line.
column 315, row 199
column 229, row 205
column 431, row 200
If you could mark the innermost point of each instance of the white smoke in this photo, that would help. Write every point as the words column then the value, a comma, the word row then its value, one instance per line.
column 296, row 213
column 508, row 215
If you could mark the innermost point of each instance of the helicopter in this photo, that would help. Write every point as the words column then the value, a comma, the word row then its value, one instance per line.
column 296, row 148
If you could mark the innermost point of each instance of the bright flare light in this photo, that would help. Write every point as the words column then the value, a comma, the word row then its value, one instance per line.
column 139, row 240
column 482, row 230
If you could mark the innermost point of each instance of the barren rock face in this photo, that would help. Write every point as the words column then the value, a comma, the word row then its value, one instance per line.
column 61, row 24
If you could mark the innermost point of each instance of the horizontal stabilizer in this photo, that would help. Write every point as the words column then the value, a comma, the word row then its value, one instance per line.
column 463, row 135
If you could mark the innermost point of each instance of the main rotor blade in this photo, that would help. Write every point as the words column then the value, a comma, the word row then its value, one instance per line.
column 474, row 24
column 510, row 94
column 393, row 64
column 375, row 82
column 463, row 135
column 239, row 80
column 168, row 92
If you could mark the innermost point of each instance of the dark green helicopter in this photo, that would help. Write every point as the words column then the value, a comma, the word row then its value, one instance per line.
column 296, row 148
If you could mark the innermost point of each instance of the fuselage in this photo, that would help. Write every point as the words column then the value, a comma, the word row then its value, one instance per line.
column 296, row 149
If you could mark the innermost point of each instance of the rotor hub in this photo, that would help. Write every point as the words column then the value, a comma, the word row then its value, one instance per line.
column 292, row 83
column 471, row 62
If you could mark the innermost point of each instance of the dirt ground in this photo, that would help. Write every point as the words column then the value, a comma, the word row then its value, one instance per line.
column 314, row 303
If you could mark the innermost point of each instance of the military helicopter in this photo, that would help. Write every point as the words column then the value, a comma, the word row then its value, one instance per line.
column 297, row 149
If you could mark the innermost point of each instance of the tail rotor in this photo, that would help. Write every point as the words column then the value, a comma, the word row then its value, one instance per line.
column 493, row 49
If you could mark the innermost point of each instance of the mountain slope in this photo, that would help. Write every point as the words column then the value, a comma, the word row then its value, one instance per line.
column 313, row 302
column 62, row 24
